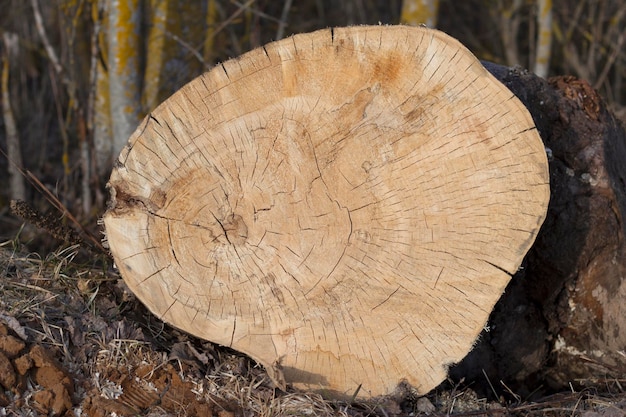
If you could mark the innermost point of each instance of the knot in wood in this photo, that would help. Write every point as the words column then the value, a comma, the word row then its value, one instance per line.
column 235, row 229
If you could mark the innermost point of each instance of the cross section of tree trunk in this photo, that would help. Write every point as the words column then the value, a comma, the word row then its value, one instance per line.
column 344, row 206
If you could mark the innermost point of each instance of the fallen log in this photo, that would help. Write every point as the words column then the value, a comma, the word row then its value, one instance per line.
column 345, row 206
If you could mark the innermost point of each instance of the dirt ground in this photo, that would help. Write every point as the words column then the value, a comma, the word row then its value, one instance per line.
column 75, row 342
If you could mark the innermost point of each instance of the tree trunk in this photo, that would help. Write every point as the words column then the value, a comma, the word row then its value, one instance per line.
column 345, row 206
column 17, row 184
column 544, row 37
column 157, row 53
column 562, row 319
column 124, row 78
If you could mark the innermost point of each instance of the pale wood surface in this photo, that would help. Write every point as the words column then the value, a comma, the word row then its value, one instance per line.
column 344, row 206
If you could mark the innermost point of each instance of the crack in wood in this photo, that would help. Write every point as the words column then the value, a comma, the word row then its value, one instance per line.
column 169, row 236
column 498, row 267
column 386, row 299
column 232, row 335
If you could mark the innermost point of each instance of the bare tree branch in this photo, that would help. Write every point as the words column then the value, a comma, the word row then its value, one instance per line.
column 44, row 38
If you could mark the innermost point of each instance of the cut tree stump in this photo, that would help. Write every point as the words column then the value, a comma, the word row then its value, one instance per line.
column 345, row 206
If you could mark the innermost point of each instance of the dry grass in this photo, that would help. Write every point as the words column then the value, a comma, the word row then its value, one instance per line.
column 123, row 361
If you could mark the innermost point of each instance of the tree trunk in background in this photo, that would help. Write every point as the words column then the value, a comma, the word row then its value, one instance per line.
column 173, row 51
column 544, row 37
column 14, row 153
column 420, row 12
column 562, row 318
column 124, row 48
column 123, row 92
column 507, row 15
column 103, row 146
column 156, row 54
column 211, row 24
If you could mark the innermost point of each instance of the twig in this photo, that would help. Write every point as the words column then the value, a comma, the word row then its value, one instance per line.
column 187, row 46
column 490, row 384
column 52, row 199
column 256, row 11
column 232, row 17
column 44, row 38
column 510, row 391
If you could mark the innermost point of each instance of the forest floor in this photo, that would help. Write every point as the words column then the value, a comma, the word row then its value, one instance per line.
column 75, row 342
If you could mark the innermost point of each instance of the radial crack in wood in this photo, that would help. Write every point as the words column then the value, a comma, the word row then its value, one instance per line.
column 344, row 206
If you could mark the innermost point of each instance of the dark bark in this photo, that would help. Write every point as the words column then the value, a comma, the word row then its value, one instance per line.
column 562, row 318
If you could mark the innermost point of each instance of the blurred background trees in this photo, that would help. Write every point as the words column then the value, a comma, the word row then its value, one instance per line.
column 77, row 76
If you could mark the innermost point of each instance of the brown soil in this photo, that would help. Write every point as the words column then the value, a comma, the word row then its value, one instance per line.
column 75, row 342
